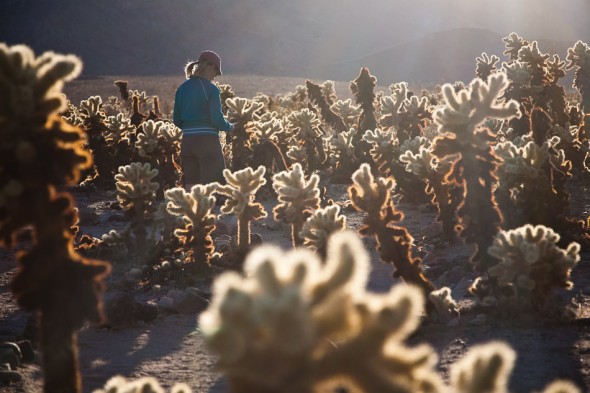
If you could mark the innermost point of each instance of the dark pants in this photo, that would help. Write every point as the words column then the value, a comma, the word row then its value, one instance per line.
column 202, row 159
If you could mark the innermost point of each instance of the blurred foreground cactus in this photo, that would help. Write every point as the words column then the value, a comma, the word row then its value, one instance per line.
column 40, row 153
column 119, row 384
column 292, row 324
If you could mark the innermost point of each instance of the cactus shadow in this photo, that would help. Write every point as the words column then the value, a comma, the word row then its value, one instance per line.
column 139, row 351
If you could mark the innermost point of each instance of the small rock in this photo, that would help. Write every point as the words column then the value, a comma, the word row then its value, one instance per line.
column 175, row 294
column 453, row 322
column 147, row 312
column 191, row 303
column 221, row 228
column 120, row 309
column 166, row 303
column 255, row 239
column 88, row 216
column 7, row 377
column 479, row 319
column 460, row 290
column 8, row 355
column 27, row 351
column 272, row 224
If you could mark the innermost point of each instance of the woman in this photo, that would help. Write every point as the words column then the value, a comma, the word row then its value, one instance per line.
column 197, row 111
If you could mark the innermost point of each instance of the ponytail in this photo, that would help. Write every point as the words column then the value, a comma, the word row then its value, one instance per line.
column 189, row 68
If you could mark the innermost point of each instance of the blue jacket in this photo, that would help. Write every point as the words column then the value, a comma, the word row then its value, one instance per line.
column 197, row 108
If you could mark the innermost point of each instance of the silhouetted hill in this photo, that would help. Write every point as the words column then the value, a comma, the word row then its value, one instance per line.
column 414, row 41
column 445, row 56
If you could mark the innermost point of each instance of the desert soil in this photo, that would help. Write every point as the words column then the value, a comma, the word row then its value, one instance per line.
column 172, row 349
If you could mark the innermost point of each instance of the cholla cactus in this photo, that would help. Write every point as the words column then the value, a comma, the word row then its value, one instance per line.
column 363, row 90
column 373, row 196
column 556, row 92
column 425, row 165
column 486, row 65
column 225, row 93
column 348, row 112
column 475, row 168
column 408, row 116
column 158, row 142
column 316, row 96
column 123, row 89
column 306, row 125
column 513, row 43
column 579, row 56
column 298, row 199
column 119, row 384
column 195, row 209
column 158, row 137
column 343, row 154
column 241, row 189
column 385, row 152
column 268, row 129
column 297, row 154
column 530, row 264
column 485, row 368
column 443, row 302
column 94, row 123
column 240, row 112
column 119, row 129
column 320, row 226
column 272, row 329
column 329, row 91
column 136, row 191
column 40, row 153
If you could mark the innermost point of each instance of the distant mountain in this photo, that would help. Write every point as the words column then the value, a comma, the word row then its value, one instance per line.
column 445, row 56
column 419, row 40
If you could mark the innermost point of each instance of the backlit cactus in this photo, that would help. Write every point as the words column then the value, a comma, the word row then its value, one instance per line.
column 298, row 199
column 272, row 329
column 241, row 190
column 425, row 165
column 486, row 65
column 407, row 116
column 485, row 368
column 373, row 196
column 158, row 143
column 308, row 133
column 119, row 384
column 241, row 111
column 331, row 118
column 530, row 264
column 41, row 153
column 579, row 57
column 194, row 208
column 474, row 170
column 343, row 156
column 385, row 152
column 348, row 112
column 320, row 226
column 136, row 192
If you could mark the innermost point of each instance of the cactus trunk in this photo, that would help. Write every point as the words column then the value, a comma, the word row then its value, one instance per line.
column 243, row 233
column 60, row 354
